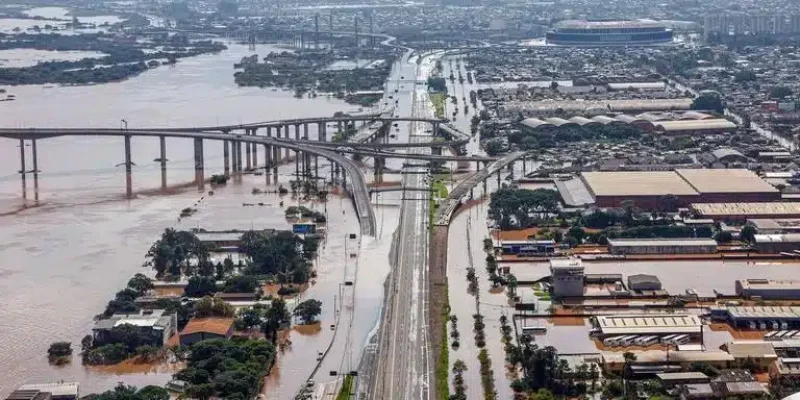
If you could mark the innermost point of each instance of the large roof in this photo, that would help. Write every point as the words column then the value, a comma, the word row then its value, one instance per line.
column 725, row 181
column 637, row 183
column 771, row 208
column 648, row 324
column 716, row 124
column 219, row 326
column 652, row 242
column 583, row 24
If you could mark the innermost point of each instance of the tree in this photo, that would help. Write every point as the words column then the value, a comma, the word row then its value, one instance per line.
column 249, row 318
column 493, row 147
column 173, row 251
column 278, row 254
column 240, row 284
column 277, row 316
column 577, row 232
column 511, row 284
column 542, row 394
column 308, row 310
column 59, row 350
column 723, row 237
column 629, row 358
column 516, row 208
column 199, row 286
column 153, row 393
column 140, row 284
column 709, row 101
column 216, row 307
column 748, row 233
column 779, row 92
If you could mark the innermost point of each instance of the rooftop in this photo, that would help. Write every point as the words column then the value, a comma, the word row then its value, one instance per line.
column 649, row 242
column 716, row 124
column 651, row 323
column 637, row 183
column 219, row 326
column 773, row 208
column 144, row 318
column 725, row 181
column 764, row 312
column 677, row 376
column 778, row 238
column 761, row 284
column 583, row 24
column 55, row 388
column 660, row 356
column 751, row 350
column 775, row 224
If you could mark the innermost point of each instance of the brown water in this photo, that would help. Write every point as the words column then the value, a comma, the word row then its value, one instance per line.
column 63, row 260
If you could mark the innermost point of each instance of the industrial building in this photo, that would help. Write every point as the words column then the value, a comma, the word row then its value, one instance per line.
column 650, row 122
column 777, row 243
column 158, row 324
column 758, row 317
column 644, row 189
column 568, row 277
column 648, row 324
column 745, row 211
column 648, row 189
column 609, row 33
column 775, row 225
column 768, row 289
column 662, row 246
column 721, row 185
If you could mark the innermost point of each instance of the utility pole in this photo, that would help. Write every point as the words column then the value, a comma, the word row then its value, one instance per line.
column 356, row 20
column 316, row 31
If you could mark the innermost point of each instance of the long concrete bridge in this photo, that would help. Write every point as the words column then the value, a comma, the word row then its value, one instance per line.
column 232, row 153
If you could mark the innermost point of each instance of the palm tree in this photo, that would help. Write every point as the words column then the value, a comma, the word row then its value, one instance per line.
column 629, row 359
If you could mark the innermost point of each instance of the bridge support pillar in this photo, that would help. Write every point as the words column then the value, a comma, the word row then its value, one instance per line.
column 128, row 172
column 238, row 150
column 234, row 157
column 296, row 165
column 380, row 162
column 276, row 158
column 162, row 141
column 321, row 132
column 498, row 179
column 286, row 153
column 22, row 168
column 511, row 168
column 199, row 165
column 437, row 151
column 524, row 167
column 267, row 162
column 226, row 157
column 254, row 147
column 305, row 131
column 435, row 130
column 35, row 155
column 247, row 152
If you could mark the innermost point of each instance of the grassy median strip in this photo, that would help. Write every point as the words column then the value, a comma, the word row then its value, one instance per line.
column 347, row 387
column 438, row 100
column 443, row 367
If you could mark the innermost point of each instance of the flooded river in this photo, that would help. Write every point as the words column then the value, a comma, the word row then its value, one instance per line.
column 63, row 260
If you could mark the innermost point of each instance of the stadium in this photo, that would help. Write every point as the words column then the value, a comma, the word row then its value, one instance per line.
column 609, row 33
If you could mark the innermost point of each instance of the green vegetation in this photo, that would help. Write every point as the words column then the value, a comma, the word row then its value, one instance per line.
column 443, row 365
column 123, row 58
column 347, row 389
column 276, row 317
column 213, row 307
column 240, row 284
column 227, row 369
column 282, row 255
column 119, row 343
column 122, row 392
column 304, row 212
column 515, row 208
column 493, row 147
column 219, row 179
column 308, row 310
column 59, row 352
column 438, row 100
column 439, row 189
column 487, row 376
column 438, row 84
column 709, row 101
column 174, row 251
column 529, row 139
column 199, row 286
column 308, row 73
column 458, row 381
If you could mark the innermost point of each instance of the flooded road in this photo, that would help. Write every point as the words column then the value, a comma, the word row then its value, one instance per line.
column 64, row 260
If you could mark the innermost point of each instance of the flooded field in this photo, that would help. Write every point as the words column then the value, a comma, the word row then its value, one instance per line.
column 19, row 58
column 65, row 258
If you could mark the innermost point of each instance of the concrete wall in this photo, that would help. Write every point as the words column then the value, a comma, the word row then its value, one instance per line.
column 660, row 249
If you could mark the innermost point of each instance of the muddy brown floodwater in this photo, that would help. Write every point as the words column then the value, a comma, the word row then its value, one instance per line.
column 63, row 259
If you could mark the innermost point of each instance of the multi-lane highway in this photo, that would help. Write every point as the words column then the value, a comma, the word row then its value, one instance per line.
column 404, row 369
